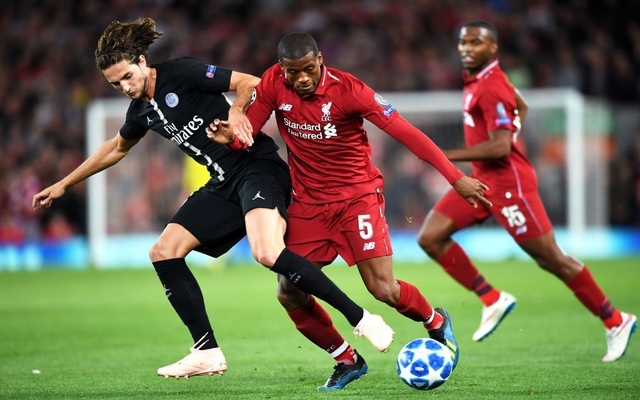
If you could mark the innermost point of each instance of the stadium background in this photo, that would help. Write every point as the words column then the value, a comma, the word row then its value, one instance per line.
column 50, row 78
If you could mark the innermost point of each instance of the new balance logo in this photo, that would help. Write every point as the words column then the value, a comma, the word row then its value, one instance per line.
column 285, row 107
column 369, row 246
column 257, row 196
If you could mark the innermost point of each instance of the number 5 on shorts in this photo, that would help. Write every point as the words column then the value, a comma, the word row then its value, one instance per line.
column 365, row 227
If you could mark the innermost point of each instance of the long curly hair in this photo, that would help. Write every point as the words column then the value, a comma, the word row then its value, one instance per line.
column 125, row 41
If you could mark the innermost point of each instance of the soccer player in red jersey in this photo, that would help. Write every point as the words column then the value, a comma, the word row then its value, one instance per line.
column 338, row 204
column 493, row 113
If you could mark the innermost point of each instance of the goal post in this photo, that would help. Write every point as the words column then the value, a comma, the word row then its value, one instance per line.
column 129, row 203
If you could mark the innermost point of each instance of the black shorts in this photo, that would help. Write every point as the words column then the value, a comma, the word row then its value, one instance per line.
column 214, row 214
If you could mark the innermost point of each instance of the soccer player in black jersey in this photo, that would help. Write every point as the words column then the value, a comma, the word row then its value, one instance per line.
column 247, row 194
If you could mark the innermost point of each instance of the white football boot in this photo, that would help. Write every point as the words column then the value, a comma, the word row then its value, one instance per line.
column 197, row 362
column 494, row 314
column 375, row 330
column 618, row 337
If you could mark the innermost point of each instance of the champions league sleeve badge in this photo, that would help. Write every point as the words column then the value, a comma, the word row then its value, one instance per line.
column 388, row 108
column 502, row 119
column 211, row 71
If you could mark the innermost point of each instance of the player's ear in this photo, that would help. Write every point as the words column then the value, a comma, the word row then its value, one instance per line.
column 320, row 59
column 493, row 48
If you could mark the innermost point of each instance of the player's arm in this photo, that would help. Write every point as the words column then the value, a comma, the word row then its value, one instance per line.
column 108, row 154
column 423, row 147
column 258, row 113
column 521, row 105
column 502, row 135
column 497, row 147
column 243, row 84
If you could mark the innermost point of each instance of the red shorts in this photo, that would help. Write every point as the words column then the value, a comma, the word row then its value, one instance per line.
column 522, row 215
column 354, row 229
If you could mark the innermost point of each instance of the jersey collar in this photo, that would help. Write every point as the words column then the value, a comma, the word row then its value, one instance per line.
column 322, row 84
column 493, row 64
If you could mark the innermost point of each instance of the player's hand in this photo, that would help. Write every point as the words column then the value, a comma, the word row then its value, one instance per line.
column 241, row 126
column 46, row 197
column 220, row 132
column 472, row 189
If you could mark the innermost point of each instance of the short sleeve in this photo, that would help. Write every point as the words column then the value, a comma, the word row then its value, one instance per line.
column 498, row 104
column 368, row 104
column 132, row 130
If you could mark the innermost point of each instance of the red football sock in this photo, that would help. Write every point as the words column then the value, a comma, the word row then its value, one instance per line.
column 347, row 357
column 457, row 264
column 585, row 288
column 315, row 324
column 433, row 321
column 412, row 303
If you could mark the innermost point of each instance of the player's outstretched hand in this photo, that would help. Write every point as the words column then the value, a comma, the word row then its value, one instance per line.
column 46, row 197
column 220, row 132
column 241, row 126
column 472, row 189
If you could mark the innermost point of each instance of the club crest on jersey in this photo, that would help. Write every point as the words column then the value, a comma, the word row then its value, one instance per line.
column 502, row 119
column 326, row 111
column 211, row 71
column 171, row 99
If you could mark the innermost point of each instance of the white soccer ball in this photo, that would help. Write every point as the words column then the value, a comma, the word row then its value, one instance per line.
column 424, row 364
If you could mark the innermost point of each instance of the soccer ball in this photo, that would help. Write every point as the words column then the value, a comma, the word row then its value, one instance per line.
column 424, row 364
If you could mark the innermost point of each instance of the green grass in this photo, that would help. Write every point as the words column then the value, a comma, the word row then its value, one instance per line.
column 102, row 335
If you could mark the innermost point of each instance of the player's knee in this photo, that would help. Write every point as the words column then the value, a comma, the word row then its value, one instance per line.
column 158, row 252
column 265, row 255
column 430, row 242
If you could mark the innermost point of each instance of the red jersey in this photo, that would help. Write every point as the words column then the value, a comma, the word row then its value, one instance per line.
column 489, row 104
column 327, row 146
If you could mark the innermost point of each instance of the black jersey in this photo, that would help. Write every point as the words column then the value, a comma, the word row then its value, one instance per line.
column 189, row 95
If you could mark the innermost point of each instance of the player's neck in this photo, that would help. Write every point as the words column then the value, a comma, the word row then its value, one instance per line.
column 472, row 72
column 151, row 84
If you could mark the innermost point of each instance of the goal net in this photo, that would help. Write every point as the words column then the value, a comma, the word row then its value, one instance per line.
column 564, row 136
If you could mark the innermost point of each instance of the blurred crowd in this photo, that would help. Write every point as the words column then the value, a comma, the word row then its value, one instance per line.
column 49, row 75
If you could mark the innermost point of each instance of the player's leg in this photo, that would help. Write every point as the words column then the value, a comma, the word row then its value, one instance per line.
column 449, row 215
column 315, row 323
column 266, row 225
column 618, row 325
column 377, row 275
column 181, row 288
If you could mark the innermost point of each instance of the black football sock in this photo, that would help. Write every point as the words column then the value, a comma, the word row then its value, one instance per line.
column 310, row 279
column 184, row 294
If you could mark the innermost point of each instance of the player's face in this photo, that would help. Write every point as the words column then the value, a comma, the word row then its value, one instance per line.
column 477, row 48
column 303, row 73
column 128, row 78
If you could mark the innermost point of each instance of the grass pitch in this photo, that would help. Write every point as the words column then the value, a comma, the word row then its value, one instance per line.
column 103, row 334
